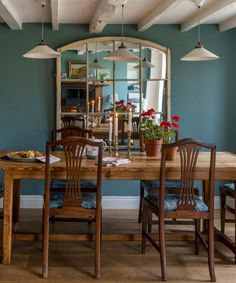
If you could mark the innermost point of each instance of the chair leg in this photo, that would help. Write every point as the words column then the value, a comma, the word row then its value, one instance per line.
column 45, row 243
column 140, row 203
column 150, row 222
column 222, row 211
column 144, row 227
column 211, row 249
column 98, row 246
column 197, row 230
column 162, row 247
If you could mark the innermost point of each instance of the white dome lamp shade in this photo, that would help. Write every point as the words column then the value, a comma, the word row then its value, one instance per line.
column 122, row 53
column 199, row 53
column 42, row 51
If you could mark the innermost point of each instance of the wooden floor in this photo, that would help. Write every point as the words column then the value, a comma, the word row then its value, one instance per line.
column 121, row 261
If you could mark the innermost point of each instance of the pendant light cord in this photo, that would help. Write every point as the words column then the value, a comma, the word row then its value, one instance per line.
column 42, row 35
column 122, row 26
column 199, row 25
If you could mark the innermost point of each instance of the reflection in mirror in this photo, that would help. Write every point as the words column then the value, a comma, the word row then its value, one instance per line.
column 89, row 87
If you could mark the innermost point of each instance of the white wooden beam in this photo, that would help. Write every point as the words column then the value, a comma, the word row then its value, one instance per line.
column 216, row 6
column 160, row 11
column 55, row 14
column 228, row 24
column 103, row 13
column 9, row 15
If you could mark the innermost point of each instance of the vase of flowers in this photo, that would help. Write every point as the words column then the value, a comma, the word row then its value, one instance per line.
column 152, row 133
column 170, row 130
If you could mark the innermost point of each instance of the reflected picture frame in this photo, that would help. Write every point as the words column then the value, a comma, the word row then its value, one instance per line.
column 77, row 70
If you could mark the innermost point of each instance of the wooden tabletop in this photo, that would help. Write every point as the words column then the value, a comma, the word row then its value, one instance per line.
column 141, row 167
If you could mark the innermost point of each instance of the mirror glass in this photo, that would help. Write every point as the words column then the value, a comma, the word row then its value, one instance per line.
column 94, row 89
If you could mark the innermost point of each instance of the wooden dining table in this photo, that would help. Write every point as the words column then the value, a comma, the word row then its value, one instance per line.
column 141, row 168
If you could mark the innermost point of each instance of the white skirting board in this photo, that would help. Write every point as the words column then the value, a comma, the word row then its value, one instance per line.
column 108, row 202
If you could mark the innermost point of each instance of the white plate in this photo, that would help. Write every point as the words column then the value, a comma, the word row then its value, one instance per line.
column 20, row 159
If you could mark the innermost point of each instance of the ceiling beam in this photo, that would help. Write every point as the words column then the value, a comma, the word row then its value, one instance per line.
column 103, row 13
column 157, row 13
column 55, row 14
column 228, row 24
column 9, row 15
column 216, row 6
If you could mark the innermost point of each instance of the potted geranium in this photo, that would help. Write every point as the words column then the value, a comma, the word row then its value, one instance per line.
column 155, row 134
column 120, row 107
column 152, row 133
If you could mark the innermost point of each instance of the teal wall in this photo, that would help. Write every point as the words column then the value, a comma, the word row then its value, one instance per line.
column 203, row 93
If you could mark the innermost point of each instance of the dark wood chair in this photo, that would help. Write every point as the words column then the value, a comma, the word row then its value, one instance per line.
column 152, row 187
column 1, row 196
column 59, row 185
column 227, row 191
column 72, row 121
column 72, row 202
column 184, row 204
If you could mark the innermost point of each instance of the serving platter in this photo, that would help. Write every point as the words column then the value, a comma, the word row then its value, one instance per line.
column 23, row 156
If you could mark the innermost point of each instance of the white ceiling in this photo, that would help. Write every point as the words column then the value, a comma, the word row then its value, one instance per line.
column 98, row 13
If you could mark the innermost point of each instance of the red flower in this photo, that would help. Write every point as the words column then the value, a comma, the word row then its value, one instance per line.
column 175, row 125
column 176, row 118
column 121, row 102
column 124, row 107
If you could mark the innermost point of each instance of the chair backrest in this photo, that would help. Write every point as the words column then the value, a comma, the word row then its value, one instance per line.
column 73, row 148
column 71, row 131
column 189, row 151
column 72, row 121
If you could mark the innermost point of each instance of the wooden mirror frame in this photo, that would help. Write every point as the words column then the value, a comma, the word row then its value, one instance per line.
column 93, row 40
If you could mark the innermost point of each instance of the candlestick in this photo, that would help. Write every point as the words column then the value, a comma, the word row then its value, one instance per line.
column 116, row 125
column 130, row 120
column 88, row 107
column 99, row 104
column 92, row 106
column 110, row 129
column 116, row 154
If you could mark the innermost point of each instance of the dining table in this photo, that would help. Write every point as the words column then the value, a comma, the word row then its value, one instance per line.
column 140, row 168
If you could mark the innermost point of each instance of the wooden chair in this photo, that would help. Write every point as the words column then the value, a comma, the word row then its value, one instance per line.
column 152, row 187
column 185, row 204
column 59, row 185
column 227, row 191
column 72, row 121
column 1, row 196
column 72, row 201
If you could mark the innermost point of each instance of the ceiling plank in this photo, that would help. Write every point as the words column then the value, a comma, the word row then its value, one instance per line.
column 216, row 6
column 9, row 15
column 55, row 14
column 160, row 11
column 228, row 24
column 103, row 13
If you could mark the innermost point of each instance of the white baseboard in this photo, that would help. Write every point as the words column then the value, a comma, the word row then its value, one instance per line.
column 108, row 202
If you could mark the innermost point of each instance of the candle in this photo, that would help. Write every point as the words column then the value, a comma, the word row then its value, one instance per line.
column 130, row 120
column 99, row 104
column 116, row 125
column 92, row 106
column 88, row 107
column 110, row 129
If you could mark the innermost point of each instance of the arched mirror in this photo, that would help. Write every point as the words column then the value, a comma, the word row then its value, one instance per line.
column 93, row 89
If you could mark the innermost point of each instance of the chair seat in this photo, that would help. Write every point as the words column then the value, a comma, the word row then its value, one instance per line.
column 229, row 186
column 170, row 202
column 56, row 200
column 155, row 184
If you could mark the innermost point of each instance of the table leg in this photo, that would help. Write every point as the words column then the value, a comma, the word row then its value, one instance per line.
column 16, row 203
column 7, row 217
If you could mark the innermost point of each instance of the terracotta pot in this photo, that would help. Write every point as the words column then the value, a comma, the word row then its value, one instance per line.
column 171, row 153
column 153, row 148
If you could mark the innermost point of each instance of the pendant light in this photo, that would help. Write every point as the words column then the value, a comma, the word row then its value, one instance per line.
column 95, row 64
column 199, row 53
column 145, row 64
column 42, row 51
column 122, row 53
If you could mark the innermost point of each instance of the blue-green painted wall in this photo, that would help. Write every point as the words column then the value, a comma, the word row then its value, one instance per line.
column 203, row 93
